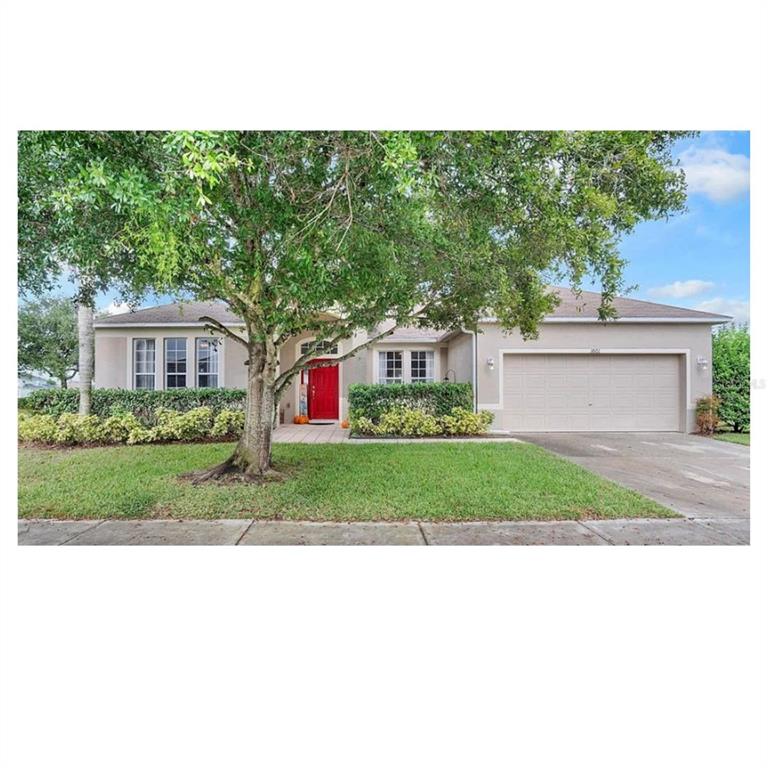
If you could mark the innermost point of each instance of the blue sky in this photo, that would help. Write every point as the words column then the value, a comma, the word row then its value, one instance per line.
column 699, row 258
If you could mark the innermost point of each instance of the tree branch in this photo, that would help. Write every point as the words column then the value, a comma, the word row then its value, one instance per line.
column 303, row 362
column 215, row 324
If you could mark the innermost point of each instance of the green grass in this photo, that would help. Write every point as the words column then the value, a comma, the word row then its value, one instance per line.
column 460, row 481
column 742, row 438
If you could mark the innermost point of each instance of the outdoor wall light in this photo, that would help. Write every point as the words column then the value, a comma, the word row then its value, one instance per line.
column 702, row 362
column 490, row 363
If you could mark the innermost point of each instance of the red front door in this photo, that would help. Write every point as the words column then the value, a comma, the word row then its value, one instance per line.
column 323, row 392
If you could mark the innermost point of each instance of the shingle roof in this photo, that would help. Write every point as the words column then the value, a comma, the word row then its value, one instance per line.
column 581, row 306
column 586, row 304
column 182, row 313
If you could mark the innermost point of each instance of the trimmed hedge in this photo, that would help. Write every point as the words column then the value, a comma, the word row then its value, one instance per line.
column 143, row 403
column 371, row 401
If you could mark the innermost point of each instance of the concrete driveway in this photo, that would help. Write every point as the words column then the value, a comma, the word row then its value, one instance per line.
column 698, row 477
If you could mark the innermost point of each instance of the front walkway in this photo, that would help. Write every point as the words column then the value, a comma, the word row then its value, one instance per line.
column 230, row 532
column 333, row 433
column 310, row 433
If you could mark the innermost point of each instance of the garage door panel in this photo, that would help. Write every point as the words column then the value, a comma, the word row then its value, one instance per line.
column 581, row 392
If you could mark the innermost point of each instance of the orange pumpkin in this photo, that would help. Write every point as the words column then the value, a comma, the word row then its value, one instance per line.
column 297, row 419
column 303, row 419
column 345, row 424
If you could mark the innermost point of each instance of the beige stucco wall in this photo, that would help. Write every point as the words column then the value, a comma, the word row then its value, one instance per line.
column 111, row 360
column 695, row 339
column 114, row 361
column 352, row 370
column 114, row 356
column 460, row 357
column 114, row 365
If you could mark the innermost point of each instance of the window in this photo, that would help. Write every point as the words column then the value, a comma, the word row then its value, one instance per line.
column 207, row 352
column 390, row 367
column 323, row 348
column 422, row 366
column 175, row 363
column 144, row 363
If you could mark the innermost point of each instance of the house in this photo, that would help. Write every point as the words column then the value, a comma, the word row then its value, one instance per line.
column 27, row 383
column 643, row 371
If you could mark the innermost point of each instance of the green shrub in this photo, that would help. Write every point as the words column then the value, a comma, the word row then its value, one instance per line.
column 228, row 423
column 72, row 429
column 437, row 399
column 463, row 422
column 143, row 403
column 117, row 429
column 410, row 422
column 731, row 376
column 361, row 425
column 37, row 429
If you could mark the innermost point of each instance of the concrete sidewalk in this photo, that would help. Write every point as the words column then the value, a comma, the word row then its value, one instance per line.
column 230, row 532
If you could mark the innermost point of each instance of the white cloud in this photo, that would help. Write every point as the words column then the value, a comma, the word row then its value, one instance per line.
column 715, row 173
column 738, row 310
column 681, row 289
column 115, row 308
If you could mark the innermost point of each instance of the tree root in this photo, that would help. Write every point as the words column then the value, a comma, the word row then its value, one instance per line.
column 230, row 471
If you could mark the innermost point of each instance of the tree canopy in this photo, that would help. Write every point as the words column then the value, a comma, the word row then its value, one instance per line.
column 48, row 338
column 55, row 240
column 731, row 375
column 335, row 231
column 293, row 223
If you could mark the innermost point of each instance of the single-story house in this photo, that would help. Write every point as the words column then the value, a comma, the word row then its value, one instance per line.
column 642, row 371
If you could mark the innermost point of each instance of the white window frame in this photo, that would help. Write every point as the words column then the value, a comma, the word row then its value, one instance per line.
column 429, row 366
column 134, row 365
column 406, row 352
column 384, row 379
column 218, row 342
column 324, row 349
column 165, row 341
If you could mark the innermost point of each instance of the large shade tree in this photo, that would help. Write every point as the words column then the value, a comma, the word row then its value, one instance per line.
column 58, row 242
column 331, row 232
column 48, row 339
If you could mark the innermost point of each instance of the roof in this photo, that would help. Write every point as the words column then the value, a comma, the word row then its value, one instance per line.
column 182, row 313
column 572, row 308
column 585, row 306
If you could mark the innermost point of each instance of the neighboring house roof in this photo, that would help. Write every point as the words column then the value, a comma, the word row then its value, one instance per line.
column 572, row 308
column 30, row 382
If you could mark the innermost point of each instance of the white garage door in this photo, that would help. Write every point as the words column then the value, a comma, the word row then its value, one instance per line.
column 591, row 393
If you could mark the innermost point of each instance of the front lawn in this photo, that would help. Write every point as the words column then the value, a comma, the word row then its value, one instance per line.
column 460, row 481
column 742, row 438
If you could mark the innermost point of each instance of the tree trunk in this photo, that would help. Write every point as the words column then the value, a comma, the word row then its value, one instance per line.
column 252, row 459
column 253, row 455
column 63, row 382
column 85, row 353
